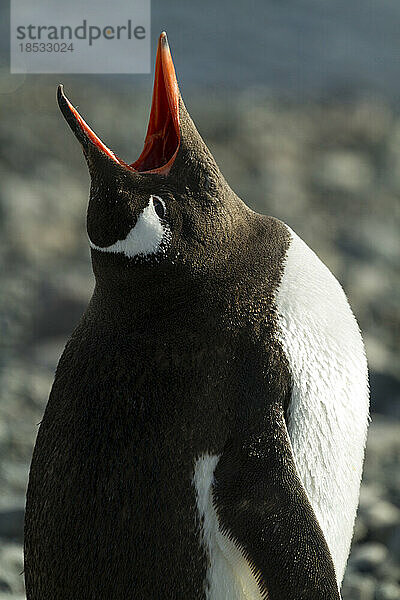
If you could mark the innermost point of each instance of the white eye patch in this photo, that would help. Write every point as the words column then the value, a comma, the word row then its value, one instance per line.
column 148, row 236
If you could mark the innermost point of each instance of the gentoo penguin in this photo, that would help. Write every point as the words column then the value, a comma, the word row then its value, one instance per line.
column 204, row 435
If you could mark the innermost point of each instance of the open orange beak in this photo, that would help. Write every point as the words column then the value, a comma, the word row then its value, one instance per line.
column 163, row 133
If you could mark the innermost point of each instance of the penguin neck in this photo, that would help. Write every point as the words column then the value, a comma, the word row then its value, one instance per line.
column 152, row 302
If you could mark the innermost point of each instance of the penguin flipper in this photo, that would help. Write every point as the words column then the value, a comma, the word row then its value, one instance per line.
column 262, row 508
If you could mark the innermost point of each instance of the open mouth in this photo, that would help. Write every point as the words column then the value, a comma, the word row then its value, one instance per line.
column 163, row 134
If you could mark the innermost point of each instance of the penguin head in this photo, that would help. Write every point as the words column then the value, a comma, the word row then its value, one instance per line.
column 171, row 206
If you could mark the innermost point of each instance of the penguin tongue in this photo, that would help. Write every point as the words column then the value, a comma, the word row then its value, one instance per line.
column 163, row 133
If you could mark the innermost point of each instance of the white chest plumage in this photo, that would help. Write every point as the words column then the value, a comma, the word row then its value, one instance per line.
column 328, row 418
column 228, row 575
column 329, row 408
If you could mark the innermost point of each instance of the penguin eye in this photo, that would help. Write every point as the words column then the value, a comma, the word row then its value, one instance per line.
column 159, row 207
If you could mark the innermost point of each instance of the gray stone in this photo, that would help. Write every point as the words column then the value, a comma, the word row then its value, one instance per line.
column 360, row 530
column 389, row 570
column 358, row 587
column 394, row 543
column 12, row 522
column 5, row 586
column 344, row 171
column 370, row 494
column 11, row 567
column 387, row 591
column 381, row 519
column 367, row 557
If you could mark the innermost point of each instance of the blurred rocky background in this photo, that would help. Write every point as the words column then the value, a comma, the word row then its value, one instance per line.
column 299, row 105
